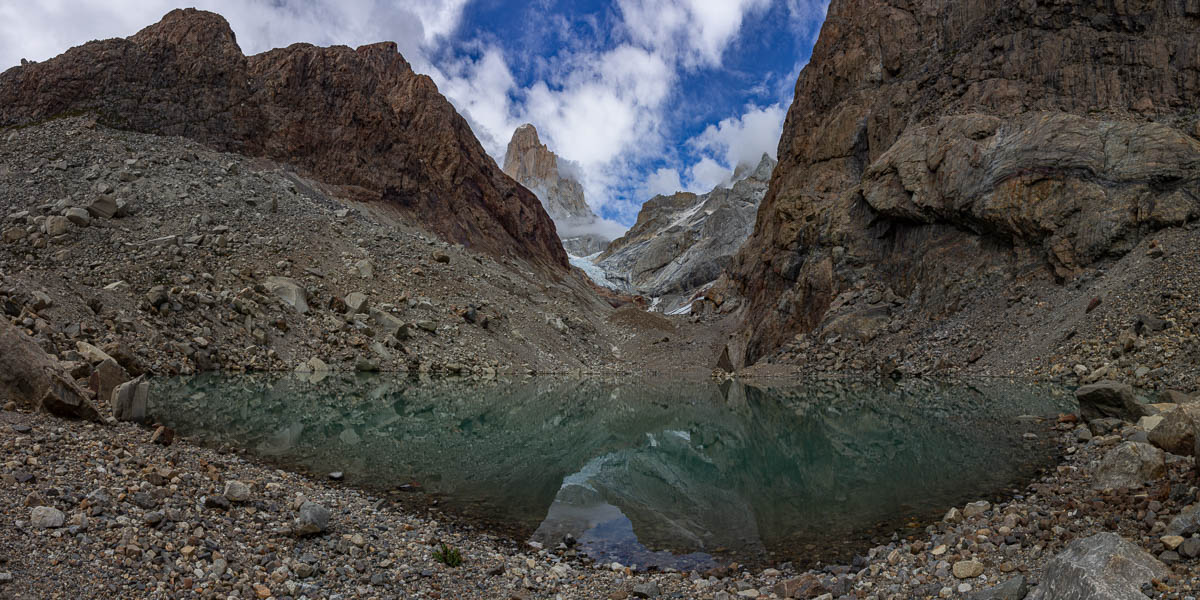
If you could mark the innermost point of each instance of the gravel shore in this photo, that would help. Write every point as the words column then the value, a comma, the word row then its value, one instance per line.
column 91, row 511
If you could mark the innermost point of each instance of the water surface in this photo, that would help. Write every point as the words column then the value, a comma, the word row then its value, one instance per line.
column 680, row 474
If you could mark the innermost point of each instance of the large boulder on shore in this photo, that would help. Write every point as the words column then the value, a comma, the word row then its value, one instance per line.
column 1177, row 431
column 289, row 291
column 1109, row 399
column 1102, row 567
column 33, row 379
column 1129, row 465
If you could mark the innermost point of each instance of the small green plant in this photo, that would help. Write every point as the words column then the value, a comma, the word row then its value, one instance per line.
column 448, row 556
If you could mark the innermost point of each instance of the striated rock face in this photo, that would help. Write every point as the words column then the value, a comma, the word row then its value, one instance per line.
column 932, row 145
column 532, row 164
column 359, row 118
column 682, row 242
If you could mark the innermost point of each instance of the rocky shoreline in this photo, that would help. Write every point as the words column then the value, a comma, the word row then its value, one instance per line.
column 91, row 511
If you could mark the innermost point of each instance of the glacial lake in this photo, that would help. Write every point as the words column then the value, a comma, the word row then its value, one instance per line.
column 647, row 473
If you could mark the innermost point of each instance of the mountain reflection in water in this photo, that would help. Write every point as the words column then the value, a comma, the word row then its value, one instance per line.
column 650, row 473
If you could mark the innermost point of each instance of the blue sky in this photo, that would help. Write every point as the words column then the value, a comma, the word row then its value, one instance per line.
column 642, row 96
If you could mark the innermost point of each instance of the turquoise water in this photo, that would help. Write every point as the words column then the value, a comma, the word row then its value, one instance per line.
column 680, row 474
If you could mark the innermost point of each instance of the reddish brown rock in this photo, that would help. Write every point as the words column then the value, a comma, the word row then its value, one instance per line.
column 358, row 118
column 933, row 144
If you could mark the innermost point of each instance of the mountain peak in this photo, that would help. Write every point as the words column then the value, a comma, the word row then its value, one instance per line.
column 360, row 119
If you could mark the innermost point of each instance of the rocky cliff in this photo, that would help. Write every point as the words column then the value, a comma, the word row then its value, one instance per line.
column 536, row 167
column 358, row 118
column 682, row 242
column 933, row 147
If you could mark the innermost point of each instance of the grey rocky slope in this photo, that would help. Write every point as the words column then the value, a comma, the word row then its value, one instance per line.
column 186, row 259
column 536, row 167
column 682, row 242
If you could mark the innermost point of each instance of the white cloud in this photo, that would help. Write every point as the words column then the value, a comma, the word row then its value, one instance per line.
column 664, row 181
column 707, row 174
column 43, row 29
column 693, row 32
column 732, row 142
column 743, row 140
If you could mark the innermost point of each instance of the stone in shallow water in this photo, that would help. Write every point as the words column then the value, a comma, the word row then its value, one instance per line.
column 1102, row 567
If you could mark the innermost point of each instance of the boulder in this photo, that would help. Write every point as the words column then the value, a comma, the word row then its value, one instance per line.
column 91, row 353
column 313, row 519
column 1109, row 399
column 129, row 401
column 1013, row 589
column 1175, row 397
column 389, row 323
column 1177, row 431
column 648, row 589
column 30, row 377
column 1129, row 465
column 356, row 303
column 289, row 291
column 236, row 491
column 78, row 216
column 104, row 207
column 967, row 569
column 106, row 377
column 47, row 517
column 1101, row 567
column 365, row 268
column 805, row 586
column 1186, row 523
column 56, row 226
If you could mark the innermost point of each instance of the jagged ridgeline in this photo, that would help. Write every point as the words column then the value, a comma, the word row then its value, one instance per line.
column 682, row 242
column 557, row 185
column 357, row 118
column 933, row 145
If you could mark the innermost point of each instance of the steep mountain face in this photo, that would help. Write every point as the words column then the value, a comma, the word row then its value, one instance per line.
column 532, row 164
column 682, row 242
column 358, row 118
column 933, row 146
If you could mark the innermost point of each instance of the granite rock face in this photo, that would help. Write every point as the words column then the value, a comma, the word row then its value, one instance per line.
column 536, row 167
column 356, row 118
column 682, row 242
column 931, row 144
